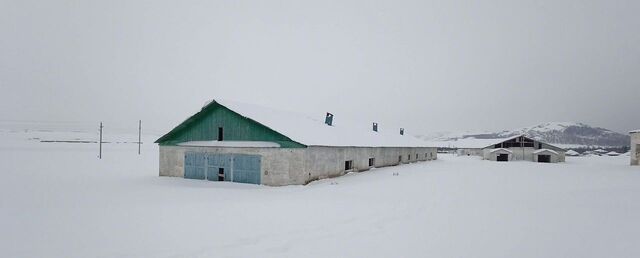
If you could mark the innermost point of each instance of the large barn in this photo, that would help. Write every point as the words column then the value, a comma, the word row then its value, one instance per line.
column 513, row 148
column 635, row 147
column 230, row 141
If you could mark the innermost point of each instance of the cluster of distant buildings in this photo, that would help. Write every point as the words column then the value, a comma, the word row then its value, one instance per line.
column 597, row 152
column 230, row 141
column 514, row 148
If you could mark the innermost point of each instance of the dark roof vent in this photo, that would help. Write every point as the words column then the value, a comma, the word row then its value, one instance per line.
column 401, row 131
column 329, row 119
column 375, row 127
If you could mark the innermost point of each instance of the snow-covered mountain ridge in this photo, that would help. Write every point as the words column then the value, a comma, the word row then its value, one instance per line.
column 560, row 133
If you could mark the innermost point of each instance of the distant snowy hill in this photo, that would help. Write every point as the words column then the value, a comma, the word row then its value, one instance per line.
column 563, row 134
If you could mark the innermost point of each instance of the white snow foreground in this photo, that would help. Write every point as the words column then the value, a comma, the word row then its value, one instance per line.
column 59, row 200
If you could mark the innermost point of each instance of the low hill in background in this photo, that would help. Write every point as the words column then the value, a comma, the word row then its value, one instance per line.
column 569, row 135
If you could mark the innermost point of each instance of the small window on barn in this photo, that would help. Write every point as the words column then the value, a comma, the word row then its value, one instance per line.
column 416, row 156
column 409, row 157
column 220, row 134
column 399, row 159
column 348, row 165
column 372, row 162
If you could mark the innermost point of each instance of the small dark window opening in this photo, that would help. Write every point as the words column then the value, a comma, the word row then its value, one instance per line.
column 526, row 142
column 409, row 157
column 220, row 174
column 372, row 162
column 348, row 165
column 416, row 156
column 502, row 157
column 544, row 158
column 516, row 143
column 399, row 159
column 220, row 134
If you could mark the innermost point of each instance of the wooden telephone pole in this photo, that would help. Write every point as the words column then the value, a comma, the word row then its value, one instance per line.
column 139, row 135
column 100, row 153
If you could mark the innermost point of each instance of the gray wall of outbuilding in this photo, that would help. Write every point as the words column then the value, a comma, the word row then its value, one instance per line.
column 525, row 153
column 487, row 154
column 555, row 158
column 469, row 152
column 290, row 166
column 518, row 153
column 635, row 149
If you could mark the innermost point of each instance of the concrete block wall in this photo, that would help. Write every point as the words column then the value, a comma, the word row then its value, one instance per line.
column 278, row 164
column 470, row 152
column 493, row 156
column 287, row 166
column 525, row 153
column 554, row 158
column 325, row 162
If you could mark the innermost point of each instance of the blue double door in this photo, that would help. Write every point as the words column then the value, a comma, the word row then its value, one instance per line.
column 240, row 168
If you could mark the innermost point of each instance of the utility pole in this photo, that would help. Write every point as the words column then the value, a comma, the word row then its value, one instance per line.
column 100, row 153
column 139, row 135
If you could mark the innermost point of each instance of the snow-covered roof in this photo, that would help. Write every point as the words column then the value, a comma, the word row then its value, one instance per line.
column 230, row 144
column 501, row 150
column 613, row 153
column 312, row 131
column 635, row 131
column 473, row 143
column 545, row 150
column 572, row 153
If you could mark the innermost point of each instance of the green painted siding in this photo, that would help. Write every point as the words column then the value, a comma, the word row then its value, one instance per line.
column 204, row 125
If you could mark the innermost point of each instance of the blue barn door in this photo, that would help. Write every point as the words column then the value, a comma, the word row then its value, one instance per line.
column 194, row 165
column 219, row 167
column 246, row 169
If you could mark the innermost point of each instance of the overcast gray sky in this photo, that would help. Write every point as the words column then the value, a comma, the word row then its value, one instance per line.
column 426, row 65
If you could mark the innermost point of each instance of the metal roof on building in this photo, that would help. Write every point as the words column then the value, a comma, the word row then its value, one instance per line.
column 545, row 150
column 312, row 131
column 473, row 143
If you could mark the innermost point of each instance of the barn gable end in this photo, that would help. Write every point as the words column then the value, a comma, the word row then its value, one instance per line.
column 204, row 126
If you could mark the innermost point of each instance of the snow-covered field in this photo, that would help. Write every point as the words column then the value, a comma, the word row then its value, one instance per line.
column 59, row 200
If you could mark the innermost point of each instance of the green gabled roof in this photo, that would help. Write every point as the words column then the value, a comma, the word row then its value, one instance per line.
column 259, row 131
